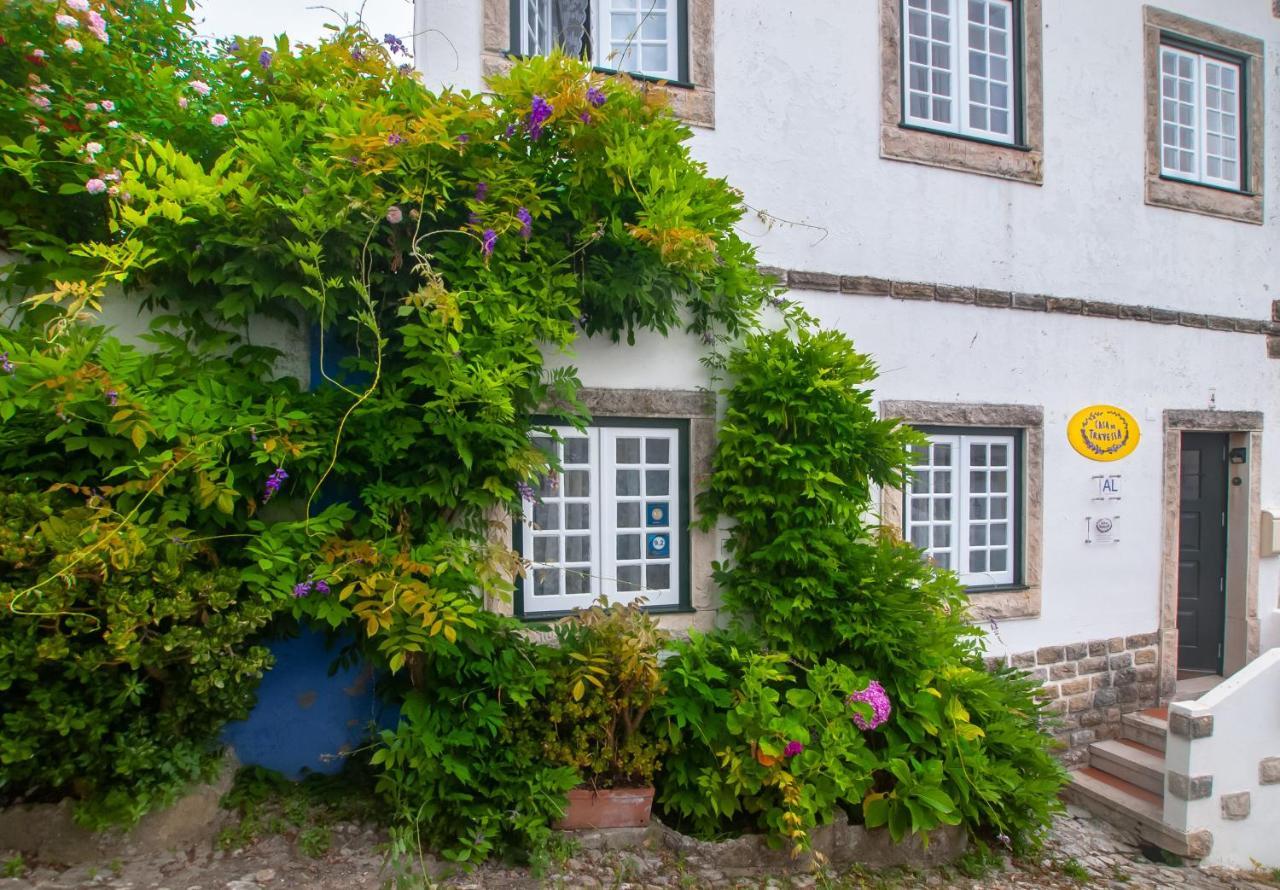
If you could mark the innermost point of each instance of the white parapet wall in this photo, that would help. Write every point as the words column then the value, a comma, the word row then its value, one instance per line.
column 1223, row 766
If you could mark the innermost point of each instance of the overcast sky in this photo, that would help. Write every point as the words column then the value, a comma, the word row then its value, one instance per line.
column 302, row 20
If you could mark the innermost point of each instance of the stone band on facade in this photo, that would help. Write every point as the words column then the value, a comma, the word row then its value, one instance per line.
column 1089, row 686
column 865, row 286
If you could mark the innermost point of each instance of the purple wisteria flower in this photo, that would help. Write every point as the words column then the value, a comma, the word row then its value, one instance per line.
column 5, row 364
column 274, row 481
column 473, row 218
column 464, row 138
column 394, row 139
column 526, row 492
column 113, row 398
column 264, row 59
column 510, row 131
column 234, row 46
column 596, row 97
column 395, row 44
column 302, row 589
column 488, row 242
column 526, row 222
column 585, row 117
column 482, row 191
column 406, row 68
column 539, row 110
column 793, row 748
column 357, row 54
column 875, row 696
column 322, row 587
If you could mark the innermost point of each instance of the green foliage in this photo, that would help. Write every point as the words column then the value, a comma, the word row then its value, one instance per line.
column 434, row 246
column 13, row 867
column 731, row 712
column 800, row 449
column 605, row 681
column 122, row 653
column 455, row 769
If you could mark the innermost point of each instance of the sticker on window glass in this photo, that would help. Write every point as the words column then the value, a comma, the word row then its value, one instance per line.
column 657, row 514
column 658, row 546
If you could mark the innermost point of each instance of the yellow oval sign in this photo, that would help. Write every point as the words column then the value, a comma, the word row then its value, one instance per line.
column 1103, row 432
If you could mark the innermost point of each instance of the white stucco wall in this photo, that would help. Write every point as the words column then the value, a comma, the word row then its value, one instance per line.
column 1246, row 725
column 797, row 129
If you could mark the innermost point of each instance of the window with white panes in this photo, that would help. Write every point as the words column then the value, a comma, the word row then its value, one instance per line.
column 609, row 523
column 961, row 504
column 638, row 36
column 960, row 68
column 1200, row 118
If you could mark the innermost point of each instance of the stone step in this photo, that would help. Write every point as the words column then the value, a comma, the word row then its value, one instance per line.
column 1149, row 727
column 1131, row 761
column 1133, row 809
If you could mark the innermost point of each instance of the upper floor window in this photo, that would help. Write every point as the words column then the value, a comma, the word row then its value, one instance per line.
column 962, row 504
column 1200, row 117
column 960, row 67
column 645, row 37
column 611, row 523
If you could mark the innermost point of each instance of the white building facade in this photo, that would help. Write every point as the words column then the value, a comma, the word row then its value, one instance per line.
column 1021, row 209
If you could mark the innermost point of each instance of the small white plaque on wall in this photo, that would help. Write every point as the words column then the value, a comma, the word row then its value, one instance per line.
column 1102, row 530
column 1106, row 487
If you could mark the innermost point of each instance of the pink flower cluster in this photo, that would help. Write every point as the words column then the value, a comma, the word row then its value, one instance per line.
column 875, row 696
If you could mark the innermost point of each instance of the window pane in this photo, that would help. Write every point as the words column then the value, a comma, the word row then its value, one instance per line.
column 942, row 510
column 577, row 581
column 576, row 451
column 657, row 482
column 577, row 548
column 942, row 455
column 942, row 481
column 978, row 561
column 546, row 549
column 628, row 451
column 657, row 451
column 628, row 579
column 628, row 483
column 920, row 536
column 628, row 547
column 999, row 455
column 577, row 483
column 629, row 515
column 1000, row 533
column 653, row 59
column 999, row 560
column 577, row 516
column 978, row 482
column 546, row 582
column 654, row 27
column 920, row 509
column 941, row 536
column 657, row 577
column 977, row 508
column 546, row 517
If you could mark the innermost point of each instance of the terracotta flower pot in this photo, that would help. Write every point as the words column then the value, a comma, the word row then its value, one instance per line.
column 607, row 808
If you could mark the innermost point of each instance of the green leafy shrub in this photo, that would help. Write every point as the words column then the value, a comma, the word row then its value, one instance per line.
column 800, row 449
column 596, row 714
column 759, row 743
column 120, row 663
column 462, row 770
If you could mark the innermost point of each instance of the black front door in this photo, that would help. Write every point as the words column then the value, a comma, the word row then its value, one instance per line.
column 1202, row 552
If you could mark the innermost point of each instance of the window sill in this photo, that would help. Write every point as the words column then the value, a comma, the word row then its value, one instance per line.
column 987, row 603
column 1208, row 200
column 954, row 151
column 968, row 137
column 545, row 617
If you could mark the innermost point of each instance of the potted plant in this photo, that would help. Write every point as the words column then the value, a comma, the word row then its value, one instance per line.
column 598, row 719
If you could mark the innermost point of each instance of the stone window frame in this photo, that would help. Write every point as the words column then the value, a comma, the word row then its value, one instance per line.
column 1021, row 600
column 660, row 405
column 693, row 102
column 1020, row 163
column 1246, row 205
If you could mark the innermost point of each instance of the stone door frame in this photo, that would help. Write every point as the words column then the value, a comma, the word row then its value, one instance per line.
column 1244, row 506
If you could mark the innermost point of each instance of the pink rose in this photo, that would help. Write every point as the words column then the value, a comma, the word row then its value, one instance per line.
column 78, row 5
column 67, row 21
column 113, row 125
column 394, row 215
column 91, row 106
column 201, row 87
column 219, row 120
column 40, row 101
column 95, row 186
column 72, row 44
column 108, row 105
column 93, row 148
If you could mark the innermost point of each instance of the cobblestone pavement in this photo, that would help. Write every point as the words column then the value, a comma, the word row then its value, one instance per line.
column 1082, row 852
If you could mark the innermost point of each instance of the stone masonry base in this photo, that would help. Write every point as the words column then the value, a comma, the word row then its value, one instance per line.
column 1089, row 686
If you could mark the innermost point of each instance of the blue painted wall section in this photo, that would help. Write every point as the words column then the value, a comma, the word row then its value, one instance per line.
column 306, row 720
